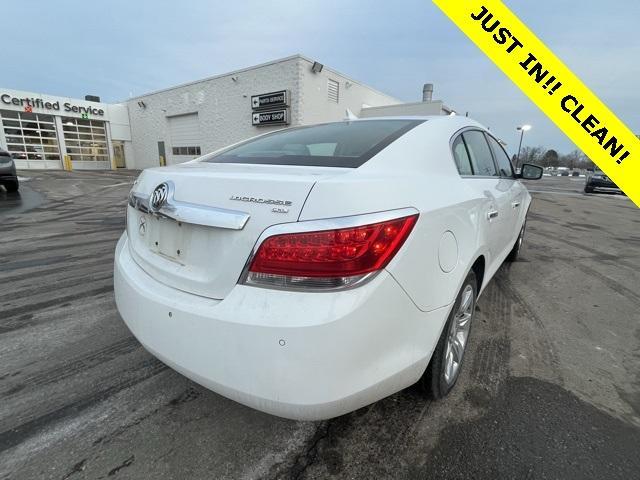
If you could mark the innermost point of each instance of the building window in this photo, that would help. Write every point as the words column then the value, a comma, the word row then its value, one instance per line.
column 333, row 91
column 86, row 140
column 191, row 151
column 30, row 136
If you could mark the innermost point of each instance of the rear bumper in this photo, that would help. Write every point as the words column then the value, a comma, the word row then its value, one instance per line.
column 602, row 184
column 297, row 355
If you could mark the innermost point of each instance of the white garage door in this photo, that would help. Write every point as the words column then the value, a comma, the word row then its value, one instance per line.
column 31, row 138
column 184, row 136
column 86, row 142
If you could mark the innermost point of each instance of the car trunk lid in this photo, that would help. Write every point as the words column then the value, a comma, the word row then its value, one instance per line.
column 205, row 246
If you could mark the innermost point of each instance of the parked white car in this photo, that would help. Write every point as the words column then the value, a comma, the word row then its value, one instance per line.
column 312, row 271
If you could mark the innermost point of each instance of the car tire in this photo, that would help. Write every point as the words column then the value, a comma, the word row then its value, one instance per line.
column 588, row 189
column 515, row 251
column 446, row 362
column 12, row 187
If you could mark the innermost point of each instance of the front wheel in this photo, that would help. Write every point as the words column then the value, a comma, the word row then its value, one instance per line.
column 444, row 367
column 588, row 189
column 12, row 187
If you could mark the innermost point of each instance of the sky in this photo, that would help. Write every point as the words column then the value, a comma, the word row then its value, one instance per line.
column 116, row 49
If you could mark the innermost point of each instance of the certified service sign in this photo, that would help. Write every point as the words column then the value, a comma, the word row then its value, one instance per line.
column 271, row 117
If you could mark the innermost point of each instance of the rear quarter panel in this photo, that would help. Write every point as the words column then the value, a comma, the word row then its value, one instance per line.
column 415, row 171
column 419, row 266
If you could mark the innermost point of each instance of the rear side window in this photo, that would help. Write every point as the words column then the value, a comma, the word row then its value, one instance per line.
column 461, row 156
column 339, row 144
column 480, row 153
column 502, row 159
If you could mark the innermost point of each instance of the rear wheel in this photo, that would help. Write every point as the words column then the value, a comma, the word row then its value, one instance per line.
column 444, row 367
column 12, row 186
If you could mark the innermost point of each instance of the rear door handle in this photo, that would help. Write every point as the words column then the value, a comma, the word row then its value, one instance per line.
column 515, row 204
column 492, row 214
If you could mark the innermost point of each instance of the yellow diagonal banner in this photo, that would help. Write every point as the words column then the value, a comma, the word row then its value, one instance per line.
column 552, row 87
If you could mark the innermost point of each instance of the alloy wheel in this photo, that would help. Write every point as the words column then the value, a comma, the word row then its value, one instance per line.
column 458, row 335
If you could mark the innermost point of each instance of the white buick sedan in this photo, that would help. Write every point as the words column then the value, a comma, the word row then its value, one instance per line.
column 312, row 271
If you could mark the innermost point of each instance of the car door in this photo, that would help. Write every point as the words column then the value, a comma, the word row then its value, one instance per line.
column 487, row 182
column 514, row 189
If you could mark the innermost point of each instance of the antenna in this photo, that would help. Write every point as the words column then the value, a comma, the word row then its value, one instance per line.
column 349, row 115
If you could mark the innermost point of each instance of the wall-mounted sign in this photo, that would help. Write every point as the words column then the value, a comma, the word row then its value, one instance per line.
column 268, row 100
column 31, row 103
column 272, row 117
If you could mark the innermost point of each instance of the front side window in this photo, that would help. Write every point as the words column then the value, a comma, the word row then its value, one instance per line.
column 480, row 153
column 339, row 144
column 502, row 159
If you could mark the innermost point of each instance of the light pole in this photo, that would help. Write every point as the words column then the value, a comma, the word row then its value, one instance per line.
column 521, row 129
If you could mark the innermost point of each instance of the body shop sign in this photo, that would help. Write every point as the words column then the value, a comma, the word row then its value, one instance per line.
column 263, row 108
column 272, row 117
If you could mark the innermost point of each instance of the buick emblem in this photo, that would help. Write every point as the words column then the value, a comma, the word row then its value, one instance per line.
column 142, row 225
column 159, row 196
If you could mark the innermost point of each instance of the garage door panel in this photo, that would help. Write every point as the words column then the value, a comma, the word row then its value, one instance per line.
column 184, row 130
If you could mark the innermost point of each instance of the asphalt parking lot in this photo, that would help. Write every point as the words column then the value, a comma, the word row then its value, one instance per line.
column 550, row 387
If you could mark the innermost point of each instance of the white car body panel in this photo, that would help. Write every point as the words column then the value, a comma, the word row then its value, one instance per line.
column 313, row 355
column 283, row 352
column 212, row 263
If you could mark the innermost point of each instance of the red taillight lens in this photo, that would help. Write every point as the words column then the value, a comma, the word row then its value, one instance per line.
column 328, row 258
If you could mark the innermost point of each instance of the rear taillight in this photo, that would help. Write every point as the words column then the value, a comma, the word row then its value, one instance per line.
column 327, row 259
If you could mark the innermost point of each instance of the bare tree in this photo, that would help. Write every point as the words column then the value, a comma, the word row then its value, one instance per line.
column 576, row 159
column 585, row 162
column 550, row 159
column 530, row 155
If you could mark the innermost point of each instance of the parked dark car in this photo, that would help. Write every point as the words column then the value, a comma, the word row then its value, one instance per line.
column 8, row 176
column 598, row 180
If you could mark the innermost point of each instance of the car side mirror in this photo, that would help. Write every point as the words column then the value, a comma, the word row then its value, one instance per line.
column 531, row 172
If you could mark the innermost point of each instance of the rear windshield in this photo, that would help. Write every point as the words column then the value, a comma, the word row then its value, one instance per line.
column 340, row 144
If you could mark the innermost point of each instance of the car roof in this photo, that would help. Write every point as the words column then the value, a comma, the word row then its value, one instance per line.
column 423, row 147
column 430, row 121
column 439, row 118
